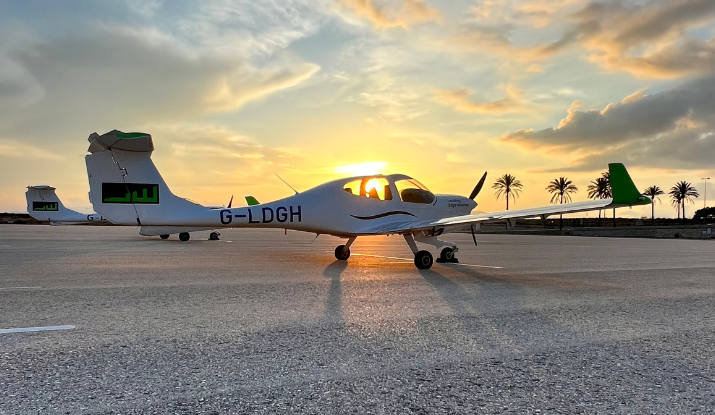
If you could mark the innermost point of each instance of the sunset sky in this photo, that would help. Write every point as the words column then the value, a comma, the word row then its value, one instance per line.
column 236, row 91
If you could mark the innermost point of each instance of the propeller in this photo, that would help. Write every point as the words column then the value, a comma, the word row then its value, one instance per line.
column 478, row 187
column 230, row 202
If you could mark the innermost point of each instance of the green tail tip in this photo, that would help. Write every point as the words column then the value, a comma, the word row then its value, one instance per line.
column 251, row 201
column 624, row 190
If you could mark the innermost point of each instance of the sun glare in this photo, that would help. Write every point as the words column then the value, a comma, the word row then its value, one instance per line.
column 362, row 169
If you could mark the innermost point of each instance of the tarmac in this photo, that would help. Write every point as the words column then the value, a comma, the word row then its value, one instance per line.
column 262, row 322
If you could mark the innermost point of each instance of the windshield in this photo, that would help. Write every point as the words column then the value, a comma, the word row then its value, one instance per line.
column 412, row 191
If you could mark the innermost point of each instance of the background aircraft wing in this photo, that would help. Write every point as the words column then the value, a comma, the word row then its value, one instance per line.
column 624, row 192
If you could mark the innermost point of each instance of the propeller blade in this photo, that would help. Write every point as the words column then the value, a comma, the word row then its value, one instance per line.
column 230, row 202
column 478, row 187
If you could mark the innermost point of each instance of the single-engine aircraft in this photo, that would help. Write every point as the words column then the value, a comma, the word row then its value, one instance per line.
column 126, row 188
column 44, row 205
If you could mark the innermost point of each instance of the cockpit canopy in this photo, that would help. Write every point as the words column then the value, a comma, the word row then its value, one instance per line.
column 412, row 191
column 408, row 189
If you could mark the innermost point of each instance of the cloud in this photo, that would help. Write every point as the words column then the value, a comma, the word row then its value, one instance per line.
column 459, row 100
column 636, row 96
column 672, row 128
column 536, row 13
column 199, row 156
column 121, row 75
column 646, row 39
column 15, row 149
column 385, row 15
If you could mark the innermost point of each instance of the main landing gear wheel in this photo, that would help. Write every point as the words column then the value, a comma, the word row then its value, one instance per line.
column 184, row 236
column 423, row 260
column 447, row 255
column 166, row 236
column 342, row 254
column 214, row 236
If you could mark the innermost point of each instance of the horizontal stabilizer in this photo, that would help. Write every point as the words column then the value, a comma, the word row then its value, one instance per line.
column 117, row 140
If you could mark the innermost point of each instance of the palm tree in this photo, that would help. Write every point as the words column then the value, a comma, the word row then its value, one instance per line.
column 507, row 186
column 561, row 190
column 653, row 192
column 685, row 192
column 598, row 189
column 607, row 176
column 675, row 201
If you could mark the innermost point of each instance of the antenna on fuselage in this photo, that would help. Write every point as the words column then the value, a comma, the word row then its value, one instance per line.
column 291, row 187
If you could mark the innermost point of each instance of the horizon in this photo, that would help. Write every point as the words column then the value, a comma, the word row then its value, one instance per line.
column 236, row 92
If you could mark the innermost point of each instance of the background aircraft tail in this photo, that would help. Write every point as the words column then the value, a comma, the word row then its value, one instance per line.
column 44, row 205
column 125, row 185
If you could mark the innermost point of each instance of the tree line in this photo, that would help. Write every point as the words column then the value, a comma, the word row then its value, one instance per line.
column 561, row 189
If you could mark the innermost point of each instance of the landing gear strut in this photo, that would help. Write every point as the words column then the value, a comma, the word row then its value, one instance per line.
column 214, row 236
column 423, row 259
column 342, row 252
column 184, row 236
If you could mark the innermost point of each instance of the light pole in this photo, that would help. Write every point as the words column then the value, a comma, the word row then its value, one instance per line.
column 705, row 196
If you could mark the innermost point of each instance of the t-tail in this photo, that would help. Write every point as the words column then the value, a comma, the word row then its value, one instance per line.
column 126, row 187
column 44, row 206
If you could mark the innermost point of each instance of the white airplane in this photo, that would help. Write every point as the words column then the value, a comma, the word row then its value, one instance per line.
column 44, row 205
column 126, row 188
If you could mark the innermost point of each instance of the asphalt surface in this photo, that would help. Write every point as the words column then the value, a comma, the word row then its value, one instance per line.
column 262, row 322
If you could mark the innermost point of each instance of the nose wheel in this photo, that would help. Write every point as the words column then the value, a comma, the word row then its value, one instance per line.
column 213, row 236
column 342, row 253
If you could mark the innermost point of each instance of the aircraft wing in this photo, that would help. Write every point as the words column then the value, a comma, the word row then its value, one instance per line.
column 624, row 192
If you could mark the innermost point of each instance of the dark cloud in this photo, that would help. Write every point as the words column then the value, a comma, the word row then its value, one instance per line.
column 673, row 128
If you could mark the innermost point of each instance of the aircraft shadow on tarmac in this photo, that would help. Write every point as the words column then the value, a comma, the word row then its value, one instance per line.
column 334, row 300
column 486, row 322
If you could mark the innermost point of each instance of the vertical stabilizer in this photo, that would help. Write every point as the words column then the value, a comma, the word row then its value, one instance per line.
column 125, row 185
column 44, row 205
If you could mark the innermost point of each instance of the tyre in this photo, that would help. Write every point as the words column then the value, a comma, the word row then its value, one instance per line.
column 423, row 260
column 214, row 236
column 447, row 254
column 342, row 254
column 184, row 236
column 166, row 236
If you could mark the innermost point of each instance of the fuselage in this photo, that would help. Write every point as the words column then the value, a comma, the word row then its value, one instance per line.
column 331, row 209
